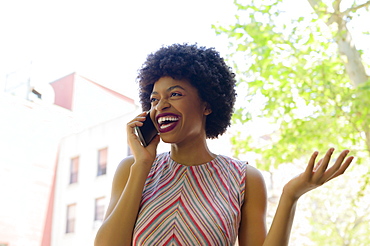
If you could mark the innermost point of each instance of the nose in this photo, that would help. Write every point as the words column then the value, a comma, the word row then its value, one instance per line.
column 162, row 105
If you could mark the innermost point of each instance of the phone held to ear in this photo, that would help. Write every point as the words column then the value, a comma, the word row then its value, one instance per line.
column 147, row 131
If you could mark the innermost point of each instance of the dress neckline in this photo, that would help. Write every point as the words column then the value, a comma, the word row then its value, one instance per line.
column 197, row 165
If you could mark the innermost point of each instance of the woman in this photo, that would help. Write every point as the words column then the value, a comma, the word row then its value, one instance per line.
column 191, row 196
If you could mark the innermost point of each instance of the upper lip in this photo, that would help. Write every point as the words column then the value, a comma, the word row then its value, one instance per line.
column 165, row 115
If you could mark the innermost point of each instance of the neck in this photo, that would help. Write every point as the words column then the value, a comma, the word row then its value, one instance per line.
column 192, row 154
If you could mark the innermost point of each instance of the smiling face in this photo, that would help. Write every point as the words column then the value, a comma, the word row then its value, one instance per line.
column 177, row 111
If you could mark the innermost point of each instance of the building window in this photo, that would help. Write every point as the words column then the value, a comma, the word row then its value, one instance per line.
column 99, row 209
column 71, row 218
column 102, row 161
column 74, row 170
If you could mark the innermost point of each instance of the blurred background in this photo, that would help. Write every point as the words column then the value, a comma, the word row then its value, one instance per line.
column 67, row 79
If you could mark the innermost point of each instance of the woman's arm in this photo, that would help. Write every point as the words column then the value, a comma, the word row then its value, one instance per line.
column 127, row 188
column 121, row 214
column 252, row 229
column 313, row 177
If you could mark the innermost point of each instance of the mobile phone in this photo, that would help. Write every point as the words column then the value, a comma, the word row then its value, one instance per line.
column 147, row 131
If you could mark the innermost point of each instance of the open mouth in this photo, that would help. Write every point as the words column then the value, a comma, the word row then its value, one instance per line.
column 167, row 123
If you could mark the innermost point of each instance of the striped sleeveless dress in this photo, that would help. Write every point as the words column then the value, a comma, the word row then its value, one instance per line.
column 191, row 205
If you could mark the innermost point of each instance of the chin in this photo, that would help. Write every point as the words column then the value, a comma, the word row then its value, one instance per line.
column 168, row 140
column 165, row 140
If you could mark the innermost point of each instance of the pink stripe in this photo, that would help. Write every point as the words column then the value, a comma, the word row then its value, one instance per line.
column 150, row 222
column 209, row 202
column 164, row 184
column 195, row 223
column 175, row 194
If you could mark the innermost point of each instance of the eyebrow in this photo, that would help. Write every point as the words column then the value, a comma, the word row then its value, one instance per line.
column 169, row 89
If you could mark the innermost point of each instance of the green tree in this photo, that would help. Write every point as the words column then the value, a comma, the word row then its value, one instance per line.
column 311, row 77
column 310, row 74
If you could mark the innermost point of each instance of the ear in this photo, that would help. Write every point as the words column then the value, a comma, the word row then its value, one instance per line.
column 207, row 109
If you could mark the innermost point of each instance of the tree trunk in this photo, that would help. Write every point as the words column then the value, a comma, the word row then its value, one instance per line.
column 353, row 64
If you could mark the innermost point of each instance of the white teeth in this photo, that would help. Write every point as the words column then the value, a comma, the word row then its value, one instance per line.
column 164, row 126
column 168, row 118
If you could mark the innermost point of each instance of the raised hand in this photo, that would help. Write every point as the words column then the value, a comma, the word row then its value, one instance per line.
column 141, row 154
column 317, row 175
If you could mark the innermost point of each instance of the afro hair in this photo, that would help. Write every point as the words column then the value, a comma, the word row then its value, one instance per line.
column 205, row 69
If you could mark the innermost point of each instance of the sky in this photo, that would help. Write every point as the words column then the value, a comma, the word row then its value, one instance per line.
column 106, row 41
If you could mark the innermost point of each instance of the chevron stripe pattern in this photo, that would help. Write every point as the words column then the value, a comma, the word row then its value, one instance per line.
column 191, row 205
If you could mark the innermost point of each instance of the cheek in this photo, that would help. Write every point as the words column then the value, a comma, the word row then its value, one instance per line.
column 195, row 119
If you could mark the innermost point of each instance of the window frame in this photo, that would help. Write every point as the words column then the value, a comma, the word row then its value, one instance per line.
column 71, row 218
column 74, row 169
column 99, row 210
column 102, row 161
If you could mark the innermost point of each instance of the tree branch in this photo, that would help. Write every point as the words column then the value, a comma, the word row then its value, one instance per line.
column 355, row 8
column 336, row 6
column 315, row 6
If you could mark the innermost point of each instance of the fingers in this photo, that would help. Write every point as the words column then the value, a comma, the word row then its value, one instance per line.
column 310, row 166
column 316, row 175
column 339, row 160
column 337, row 165
column 318, row 165
column 132, row 138
column 342, row 168
column 325, row 162
column 137, row 121
column 322, row 174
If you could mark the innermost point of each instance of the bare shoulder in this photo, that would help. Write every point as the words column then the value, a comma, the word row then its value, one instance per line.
column 123, row 169
column 126, row 162
column 119, row 182
column 253, row 174
column 255, row 183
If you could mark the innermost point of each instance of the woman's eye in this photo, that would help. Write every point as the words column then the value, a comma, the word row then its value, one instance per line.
column 153, row 100
column 175, row 94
